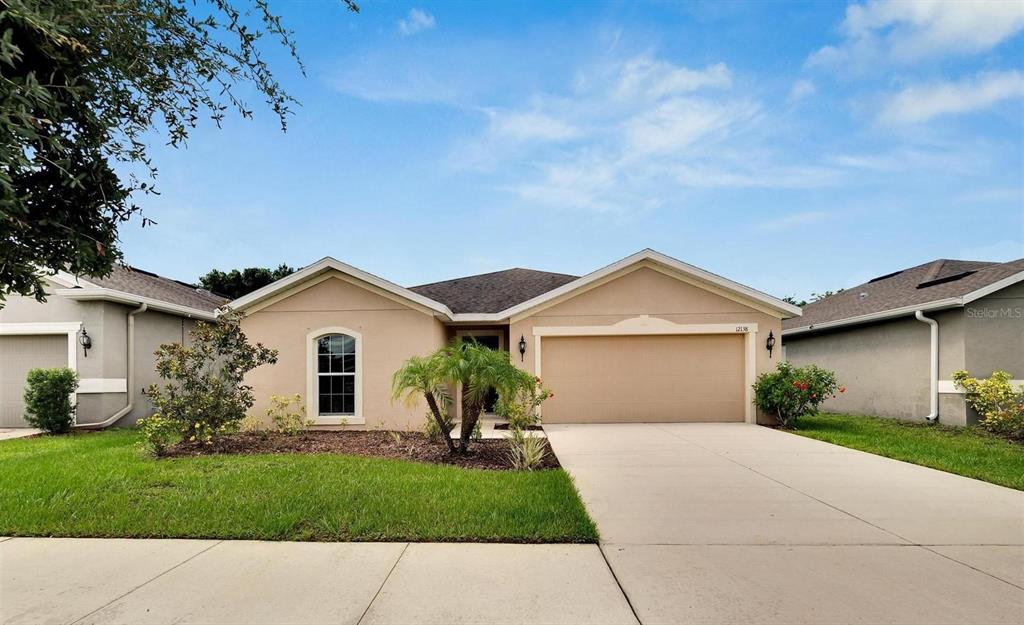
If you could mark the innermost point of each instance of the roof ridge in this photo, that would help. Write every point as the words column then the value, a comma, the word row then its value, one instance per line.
column 491, row 273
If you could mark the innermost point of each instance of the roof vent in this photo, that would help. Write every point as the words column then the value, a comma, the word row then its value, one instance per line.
column 886, row 276
column 863, row 295
column 945, row 279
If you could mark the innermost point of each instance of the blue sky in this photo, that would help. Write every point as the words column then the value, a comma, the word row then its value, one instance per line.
column 791, row 147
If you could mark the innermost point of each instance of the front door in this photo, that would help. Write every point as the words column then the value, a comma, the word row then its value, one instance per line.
column 491, row 341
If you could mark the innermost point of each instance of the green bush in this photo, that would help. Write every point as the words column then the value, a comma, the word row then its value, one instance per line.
column 792, row 392
column 288, row 414
column 1000, row 405
column 205, row 390
column 158, row 434
column 48, row 403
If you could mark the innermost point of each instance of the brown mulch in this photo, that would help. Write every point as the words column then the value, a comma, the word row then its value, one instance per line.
column 485, row 454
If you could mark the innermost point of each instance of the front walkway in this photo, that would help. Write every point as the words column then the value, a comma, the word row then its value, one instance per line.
column 734, row 523
column 68, row 580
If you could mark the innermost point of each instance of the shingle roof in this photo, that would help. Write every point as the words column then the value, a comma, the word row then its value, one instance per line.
column 492, row 292
column 146, row 284
column 920, row 285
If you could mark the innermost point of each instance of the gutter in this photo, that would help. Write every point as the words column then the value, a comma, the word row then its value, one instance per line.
column 950, row 302
column 121, row 297
column 933, row 416
column 130, row 400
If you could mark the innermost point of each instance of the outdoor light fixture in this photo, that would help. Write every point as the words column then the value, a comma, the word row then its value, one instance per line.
column 770, row 343
column 86, row 341
column 522, row 347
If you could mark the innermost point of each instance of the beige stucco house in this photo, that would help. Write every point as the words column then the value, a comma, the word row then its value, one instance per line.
column 123, row 318
column 896, row 340
column 646, row 339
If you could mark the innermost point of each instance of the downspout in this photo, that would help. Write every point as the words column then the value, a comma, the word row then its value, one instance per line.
column 933, row 416
column 130, row 377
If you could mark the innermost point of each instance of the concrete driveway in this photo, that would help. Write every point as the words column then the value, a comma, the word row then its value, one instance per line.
column 734, row 523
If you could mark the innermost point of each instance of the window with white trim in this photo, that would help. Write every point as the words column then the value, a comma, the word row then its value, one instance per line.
column 336, row 374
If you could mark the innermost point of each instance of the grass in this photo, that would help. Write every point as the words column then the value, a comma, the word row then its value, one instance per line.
column 102, row 485
column 968, row 451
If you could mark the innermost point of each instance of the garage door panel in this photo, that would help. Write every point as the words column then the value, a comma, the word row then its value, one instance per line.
column 611, row 379
column 18, row 355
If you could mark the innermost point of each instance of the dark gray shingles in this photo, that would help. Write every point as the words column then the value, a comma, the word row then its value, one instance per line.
column 902, row 290
column 492, row 292
column 146, row 284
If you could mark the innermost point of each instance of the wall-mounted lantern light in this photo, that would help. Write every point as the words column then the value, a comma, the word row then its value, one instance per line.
column 86, row 342
column 522, row 347
column 770, row 343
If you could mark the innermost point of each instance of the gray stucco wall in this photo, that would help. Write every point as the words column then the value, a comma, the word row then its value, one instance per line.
column 885, row 366
column 107, row 325
column 994, row 327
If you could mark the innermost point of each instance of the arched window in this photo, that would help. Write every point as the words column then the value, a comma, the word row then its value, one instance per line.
column 336, row 371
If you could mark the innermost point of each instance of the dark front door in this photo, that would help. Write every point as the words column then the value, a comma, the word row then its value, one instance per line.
column 492, row 342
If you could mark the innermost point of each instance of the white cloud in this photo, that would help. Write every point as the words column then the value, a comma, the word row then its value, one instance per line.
column 907, row 31
column 801, row 89
column 791, row 221
column 632, row 135
column 417, row 20
column 651, row 78
column 920, row 103
column 529, row 126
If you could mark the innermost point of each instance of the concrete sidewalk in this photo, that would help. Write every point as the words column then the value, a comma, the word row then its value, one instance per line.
column 68, row 580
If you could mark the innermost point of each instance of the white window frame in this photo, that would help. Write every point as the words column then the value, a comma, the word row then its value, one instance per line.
column 312, row 379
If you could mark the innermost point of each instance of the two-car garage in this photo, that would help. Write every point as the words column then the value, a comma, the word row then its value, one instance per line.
column 644, row 378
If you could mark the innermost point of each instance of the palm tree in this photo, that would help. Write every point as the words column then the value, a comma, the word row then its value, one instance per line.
column 477, row 369
column 421, row 376
column 474, row 368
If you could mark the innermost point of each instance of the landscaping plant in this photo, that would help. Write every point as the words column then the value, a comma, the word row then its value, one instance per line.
column 205, row 393
column 468, row 365
column 288, row 414
column 1000, row 405
column 48, row 403
column 159, row 434
column 520, row 406
column 792, row 392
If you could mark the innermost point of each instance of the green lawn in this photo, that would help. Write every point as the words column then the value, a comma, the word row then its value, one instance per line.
column 968, row 451
column 103, row 485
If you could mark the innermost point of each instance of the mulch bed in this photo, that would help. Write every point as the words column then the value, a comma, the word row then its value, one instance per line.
column 485, row 454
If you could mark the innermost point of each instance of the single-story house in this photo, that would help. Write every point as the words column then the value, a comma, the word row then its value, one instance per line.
column 895, row 341
column 106, row 329
column 645, row 339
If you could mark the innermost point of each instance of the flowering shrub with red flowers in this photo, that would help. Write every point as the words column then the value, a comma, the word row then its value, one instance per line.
column 792, row 392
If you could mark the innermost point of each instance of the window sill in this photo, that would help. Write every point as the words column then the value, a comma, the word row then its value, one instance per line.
column 339, row 420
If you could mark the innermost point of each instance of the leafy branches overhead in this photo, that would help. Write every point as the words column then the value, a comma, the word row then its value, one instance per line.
column 236, row 283
column 83, row 84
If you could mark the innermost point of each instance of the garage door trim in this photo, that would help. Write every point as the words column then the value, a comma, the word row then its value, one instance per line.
column 647, row 325
column 70, row 328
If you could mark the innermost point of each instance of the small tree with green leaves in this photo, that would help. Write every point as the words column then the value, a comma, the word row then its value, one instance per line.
column 205, row 390
column 791, row 392
column 48, row 403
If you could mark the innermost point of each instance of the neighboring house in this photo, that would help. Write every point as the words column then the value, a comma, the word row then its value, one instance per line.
column 648, row 338
column 125, row 317
column 872, row 336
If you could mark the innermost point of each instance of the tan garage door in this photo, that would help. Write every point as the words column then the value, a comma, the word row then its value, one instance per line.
column 18, row 354
column 608, row 379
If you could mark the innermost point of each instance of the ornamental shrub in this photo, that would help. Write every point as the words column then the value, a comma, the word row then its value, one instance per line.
column 204, row 390
column 159, row 434
column 288, row 414
column 1000, row 405
column 47, row 396
column 520, row 405
column 792, row 392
